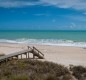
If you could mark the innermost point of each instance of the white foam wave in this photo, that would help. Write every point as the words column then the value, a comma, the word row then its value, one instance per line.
column 46, row 42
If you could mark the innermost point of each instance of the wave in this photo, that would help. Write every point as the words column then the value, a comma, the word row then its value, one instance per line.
column 52, row 42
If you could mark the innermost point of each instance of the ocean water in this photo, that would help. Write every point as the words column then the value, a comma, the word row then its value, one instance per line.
column 48, row 37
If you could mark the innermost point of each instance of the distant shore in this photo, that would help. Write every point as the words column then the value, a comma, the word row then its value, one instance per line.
column 58, row 54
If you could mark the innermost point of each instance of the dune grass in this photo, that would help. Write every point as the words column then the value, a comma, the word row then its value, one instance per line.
column 38, row 70
column 79, row 72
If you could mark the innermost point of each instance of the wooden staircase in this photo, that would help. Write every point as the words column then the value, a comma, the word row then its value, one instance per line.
column 33, row 50
column 36, row 52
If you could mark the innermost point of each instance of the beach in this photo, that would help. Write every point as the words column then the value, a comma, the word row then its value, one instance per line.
column 62, row 47
column 65, row 55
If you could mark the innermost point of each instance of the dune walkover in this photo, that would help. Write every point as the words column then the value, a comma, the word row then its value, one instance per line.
column 36, row 54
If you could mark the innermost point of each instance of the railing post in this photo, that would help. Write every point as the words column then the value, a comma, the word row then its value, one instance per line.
column 28, row 54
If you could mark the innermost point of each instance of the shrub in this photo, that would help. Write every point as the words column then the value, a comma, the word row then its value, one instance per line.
column 6, row 73
column 51, row 77
column 78, row 71
column 33, row 70
column 19, row 77
column 67, row 77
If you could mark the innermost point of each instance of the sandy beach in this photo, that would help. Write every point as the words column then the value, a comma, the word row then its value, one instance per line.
column 59, row 54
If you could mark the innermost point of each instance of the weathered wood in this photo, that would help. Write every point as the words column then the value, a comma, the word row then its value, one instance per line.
column 21, row 56
column 33, row 56
column 38, row 51
column 33, row 50
column 28, row 54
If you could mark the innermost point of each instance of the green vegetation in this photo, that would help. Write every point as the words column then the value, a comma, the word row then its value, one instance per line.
column 38, row 70
column 19, row 77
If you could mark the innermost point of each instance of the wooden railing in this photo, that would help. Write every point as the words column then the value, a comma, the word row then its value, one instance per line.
column 38, row 51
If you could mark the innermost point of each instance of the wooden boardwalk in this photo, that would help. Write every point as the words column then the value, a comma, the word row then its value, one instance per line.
column 36, row 54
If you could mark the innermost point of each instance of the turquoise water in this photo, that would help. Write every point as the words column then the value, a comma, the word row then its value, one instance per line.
column 44, row 37
column 66, row 35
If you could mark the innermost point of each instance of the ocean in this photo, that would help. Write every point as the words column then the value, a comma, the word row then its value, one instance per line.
column 45, row 37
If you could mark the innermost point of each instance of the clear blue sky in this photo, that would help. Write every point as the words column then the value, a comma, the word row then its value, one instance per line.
column 43, row 14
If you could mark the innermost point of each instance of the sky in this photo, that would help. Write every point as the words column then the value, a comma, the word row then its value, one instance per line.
column 42, row 14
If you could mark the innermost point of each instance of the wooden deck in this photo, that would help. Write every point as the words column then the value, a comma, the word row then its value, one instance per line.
column 36, row 54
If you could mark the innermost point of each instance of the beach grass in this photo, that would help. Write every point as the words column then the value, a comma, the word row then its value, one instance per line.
column 38, row 70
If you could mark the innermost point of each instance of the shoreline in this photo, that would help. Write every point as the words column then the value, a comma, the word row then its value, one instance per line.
column 65, row 55
column 50, row 42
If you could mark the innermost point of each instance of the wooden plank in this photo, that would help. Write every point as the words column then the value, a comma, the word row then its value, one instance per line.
column 13, row 54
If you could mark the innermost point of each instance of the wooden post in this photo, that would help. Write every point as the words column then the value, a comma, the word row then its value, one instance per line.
column 17, row 56
column 33, row 56
column 28, row 54
column 21, row 56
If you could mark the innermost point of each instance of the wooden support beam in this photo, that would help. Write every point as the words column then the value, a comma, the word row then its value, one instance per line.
column 21, row 56
column 17, row 57
column 28, row 54
column 33, row 56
